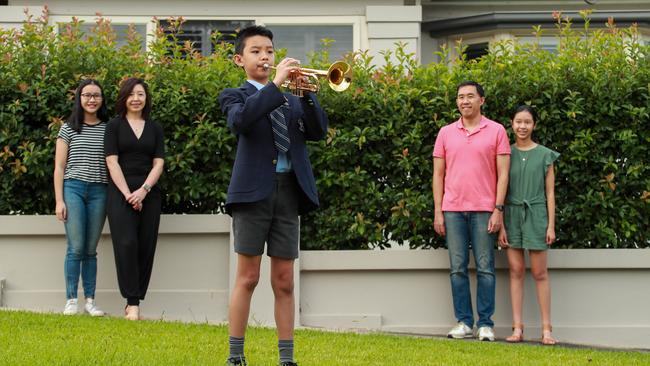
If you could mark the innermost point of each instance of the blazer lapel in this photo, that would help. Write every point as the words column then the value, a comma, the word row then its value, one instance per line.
column 249, row 89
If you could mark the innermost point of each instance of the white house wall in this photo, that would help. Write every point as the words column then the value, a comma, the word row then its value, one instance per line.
column 389, row 25
column 14, row 16
column 377, row 25
column 251, row 8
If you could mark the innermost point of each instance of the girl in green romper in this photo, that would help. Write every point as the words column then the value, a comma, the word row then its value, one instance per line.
column 529, row 221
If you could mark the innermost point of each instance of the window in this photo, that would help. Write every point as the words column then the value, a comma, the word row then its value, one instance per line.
column 548, row 44
column 199, row 32
column 300, row 40
column 474, row 51
column 121, row 32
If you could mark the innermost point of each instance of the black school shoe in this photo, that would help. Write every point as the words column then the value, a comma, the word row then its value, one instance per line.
column 288, row 363
column 236, row 361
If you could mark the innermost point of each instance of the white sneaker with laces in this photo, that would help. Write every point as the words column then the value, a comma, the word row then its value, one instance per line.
column 485, row 334
column 92, row 309
column 71, row 307
column 461, row 330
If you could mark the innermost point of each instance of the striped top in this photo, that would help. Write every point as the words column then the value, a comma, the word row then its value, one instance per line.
column 86, row 159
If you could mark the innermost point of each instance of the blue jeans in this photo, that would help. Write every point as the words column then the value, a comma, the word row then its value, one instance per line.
column 463, row 229
column 86, row 212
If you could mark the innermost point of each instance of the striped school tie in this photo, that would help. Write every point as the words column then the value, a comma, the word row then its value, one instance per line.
column 280, row 130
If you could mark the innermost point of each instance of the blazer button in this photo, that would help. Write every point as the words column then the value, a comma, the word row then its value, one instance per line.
column 275, row 161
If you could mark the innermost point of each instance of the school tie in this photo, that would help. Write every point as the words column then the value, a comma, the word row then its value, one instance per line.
column 280, row 130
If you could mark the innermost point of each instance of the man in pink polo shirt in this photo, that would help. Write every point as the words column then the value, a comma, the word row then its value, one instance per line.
column 471, row 159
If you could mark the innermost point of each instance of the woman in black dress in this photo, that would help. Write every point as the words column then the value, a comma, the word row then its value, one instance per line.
column 134, row 148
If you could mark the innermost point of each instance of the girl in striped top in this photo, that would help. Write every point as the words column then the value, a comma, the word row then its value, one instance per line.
column 80, row 181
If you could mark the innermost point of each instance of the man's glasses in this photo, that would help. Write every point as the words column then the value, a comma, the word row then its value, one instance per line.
column 91, row 96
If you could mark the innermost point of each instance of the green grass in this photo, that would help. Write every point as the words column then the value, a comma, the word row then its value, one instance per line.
column 51, row 339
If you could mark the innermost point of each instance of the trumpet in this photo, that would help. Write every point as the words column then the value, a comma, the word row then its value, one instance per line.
column 339, row 78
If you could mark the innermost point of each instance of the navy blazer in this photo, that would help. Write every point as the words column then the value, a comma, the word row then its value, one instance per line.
column 253, row 175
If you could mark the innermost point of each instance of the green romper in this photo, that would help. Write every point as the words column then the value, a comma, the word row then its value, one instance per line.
column 526, row 217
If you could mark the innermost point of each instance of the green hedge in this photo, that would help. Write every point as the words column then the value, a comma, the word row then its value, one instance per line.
column 374, row 170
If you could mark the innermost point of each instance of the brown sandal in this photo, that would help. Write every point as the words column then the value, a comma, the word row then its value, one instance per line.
column 547, row 338
column 517, row 333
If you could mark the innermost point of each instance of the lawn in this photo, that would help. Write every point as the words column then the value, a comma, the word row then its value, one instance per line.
column 51, row 339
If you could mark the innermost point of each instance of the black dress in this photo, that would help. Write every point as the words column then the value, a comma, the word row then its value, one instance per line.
column 134, row 233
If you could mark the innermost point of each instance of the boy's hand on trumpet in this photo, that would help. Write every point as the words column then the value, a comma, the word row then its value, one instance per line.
column 284, row 69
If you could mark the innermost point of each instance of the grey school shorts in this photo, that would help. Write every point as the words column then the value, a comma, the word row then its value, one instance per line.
column 273, row 220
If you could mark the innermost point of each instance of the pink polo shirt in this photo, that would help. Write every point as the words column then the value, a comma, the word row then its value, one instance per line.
column 470, row 164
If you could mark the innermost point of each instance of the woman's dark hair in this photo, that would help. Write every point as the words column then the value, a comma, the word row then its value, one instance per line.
column 76, row 118
column 125, row 91
column 525, row 108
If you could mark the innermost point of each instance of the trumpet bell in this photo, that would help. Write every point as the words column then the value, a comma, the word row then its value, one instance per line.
column 339, row 76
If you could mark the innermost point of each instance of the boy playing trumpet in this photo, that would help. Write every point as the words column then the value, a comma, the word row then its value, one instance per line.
column 271, row 184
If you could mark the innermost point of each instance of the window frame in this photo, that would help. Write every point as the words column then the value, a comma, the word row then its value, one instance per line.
column 358, row 23
column 359, row 28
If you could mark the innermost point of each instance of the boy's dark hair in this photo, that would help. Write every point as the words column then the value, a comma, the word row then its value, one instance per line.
column 479, row 88
column 525, row 108
column 76, row 118
column 125, row 91
column 244, row 34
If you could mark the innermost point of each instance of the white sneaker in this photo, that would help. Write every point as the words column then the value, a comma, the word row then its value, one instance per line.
column 71, row 307
column 485, row 334
column 461, row 330
column 92, row 309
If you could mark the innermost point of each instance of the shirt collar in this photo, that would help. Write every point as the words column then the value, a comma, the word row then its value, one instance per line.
column 482, row 123
column 256, row 84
